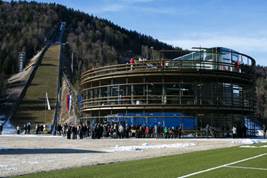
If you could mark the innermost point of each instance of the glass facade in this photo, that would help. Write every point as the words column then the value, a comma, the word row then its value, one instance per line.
column 171, row 93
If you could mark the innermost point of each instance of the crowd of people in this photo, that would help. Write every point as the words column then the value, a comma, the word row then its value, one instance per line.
column 27, row 129
column 116, row 130
column 122, row 130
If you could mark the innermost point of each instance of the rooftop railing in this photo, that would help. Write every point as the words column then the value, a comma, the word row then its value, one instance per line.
column 221, row 59
column 172, row 65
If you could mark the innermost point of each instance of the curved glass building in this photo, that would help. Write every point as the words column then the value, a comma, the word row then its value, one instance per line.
column 213, row 86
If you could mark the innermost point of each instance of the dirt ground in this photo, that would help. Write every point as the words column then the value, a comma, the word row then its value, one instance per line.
column 20, row 154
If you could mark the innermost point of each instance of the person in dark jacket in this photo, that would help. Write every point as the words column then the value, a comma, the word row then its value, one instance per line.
column 264, row 130
column 1, row 128
column 69, row 132
column 80, row 130
column 74, row 132
column 179, row 131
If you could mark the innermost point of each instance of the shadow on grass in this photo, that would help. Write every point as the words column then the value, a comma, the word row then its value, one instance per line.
column 21, row 151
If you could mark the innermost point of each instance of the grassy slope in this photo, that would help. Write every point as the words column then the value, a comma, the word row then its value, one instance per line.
column 45, row 79
column 171, row 166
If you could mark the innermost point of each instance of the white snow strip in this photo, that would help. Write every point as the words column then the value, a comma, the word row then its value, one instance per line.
column 248, row 146
column 242, row 167
column 33, row 162
column 144, row 146
column 224, row 165
column 30, row 135
column 249, row 141
column 4, row 167
column 253, row 146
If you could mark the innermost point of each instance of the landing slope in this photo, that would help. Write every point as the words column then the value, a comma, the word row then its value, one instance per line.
column 33, row 106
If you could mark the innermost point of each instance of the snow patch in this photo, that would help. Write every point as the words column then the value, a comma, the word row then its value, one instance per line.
column 248, row 146
column 253, row 146
column 259, row 133
column 4, row 167
column 32, row 135
column 249, row 141
column 8, row 128
column 33, row 162
column 144, row 146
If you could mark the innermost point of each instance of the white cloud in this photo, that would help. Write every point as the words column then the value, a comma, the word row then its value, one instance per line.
column 130, row 5
column 112, row 8
column 153, row 10
column 137, row 1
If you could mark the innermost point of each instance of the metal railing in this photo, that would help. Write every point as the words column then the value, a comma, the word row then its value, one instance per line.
column 167, row 100
column 170, row 65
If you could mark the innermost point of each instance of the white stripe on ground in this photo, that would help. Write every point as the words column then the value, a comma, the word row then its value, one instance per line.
column 242, row 167
column 224, row 165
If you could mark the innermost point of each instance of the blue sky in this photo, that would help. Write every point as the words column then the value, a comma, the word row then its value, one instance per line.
column 236, row 24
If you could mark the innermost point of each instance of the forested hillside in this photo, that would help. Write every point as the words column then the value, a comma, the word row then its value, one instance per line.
column 26, row 26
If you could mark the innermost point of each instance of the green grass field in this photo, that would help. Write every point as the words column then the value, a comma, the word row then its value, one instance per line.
column 45, row 79
column 176, row 166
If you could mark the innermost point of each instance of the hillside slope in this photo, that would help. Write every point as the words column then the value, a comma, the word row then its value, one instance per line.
column 34, row 106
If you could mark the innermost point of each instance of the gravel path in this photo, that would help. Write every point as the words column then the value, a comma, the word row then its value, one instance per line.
column 27, row 154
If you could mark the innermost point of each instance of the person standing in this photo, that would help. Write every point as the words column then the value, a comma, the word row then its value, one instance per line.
column 80, row 131
column 74, row 132
column 121, row 130
column 147, row 132
column 234, row 131
column 165, row 132
column 127, row 130
column 65, row 128
column 264, row 130
column 155, row 131
column 207, row 130
column 68, row 132
column 25, row 129
column 37, row 129
column 180, row 131
column 18, row 129
column 1, row 128
column 132, row 62
column 29, row 128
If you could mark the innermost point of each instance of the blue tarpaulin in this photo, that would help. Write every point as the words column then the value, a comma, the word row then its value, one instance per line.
column 165, row 119
column 80, row 100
